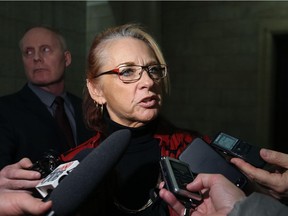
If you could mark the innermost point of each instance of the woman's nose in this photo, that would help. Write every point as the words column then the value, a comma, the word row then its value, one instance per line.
column 145, row 78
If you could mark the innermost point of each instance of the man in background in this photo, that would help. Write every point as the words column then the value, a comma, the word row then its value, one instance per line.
column 28, row 119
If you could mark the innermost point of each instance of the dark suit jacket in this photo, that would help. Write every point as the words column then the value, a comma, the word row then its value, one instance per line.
column 27, row 129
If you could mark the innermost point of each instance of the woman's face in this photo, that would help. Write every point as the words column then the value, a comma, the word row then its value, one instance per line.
column 129, row 104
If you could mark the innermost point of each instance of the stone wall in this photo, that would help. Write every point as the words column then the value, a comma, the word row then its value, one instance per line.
column 219, row 54
column 220, row 61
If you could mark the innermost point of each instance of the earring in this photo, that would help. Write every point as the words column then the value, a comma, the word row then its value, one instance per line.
column 99, row 107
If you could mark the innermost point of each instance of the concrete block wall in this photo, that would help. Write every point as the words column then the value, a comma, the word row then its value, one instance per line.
column 214, row 52
column 99, row 17
column 217, row 54
column 213, row 64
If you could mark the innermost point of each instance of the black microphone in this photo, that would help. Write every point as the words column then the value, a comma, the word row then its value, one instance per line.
column 73, row 190
column 83, row 154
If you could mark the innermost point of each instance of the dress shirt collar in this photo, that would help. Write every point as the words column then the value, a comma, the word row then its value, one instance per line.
column 46, row 97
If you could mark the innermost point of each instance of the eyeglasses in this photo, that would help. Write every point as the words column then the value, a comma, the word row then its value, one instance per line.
column 133, row 73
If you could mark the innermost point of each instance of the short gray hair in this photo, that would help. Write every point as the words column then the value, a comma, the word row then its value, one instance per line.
column 53, row 30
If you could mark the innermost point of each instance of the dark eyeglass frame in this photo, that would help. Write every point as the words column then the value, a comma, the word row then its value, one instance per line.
column 143, row 68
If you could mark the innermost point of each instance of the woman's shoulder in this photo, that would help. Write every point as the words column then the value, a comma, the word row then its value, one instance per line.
column 173, row 140
column 91, row 143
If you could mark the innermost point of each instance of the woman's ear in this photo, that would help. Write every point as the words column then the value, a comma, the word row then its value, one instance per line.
column 95, row 92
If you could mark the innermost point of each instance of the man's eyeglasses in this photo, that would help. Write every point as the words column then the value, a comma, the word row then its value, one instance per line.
column 133, row 73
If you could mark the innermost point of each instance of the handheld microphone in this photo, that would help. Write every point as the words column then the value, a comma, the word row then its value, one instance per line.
column 52, row 180
column 83, row 154
column 73, row 190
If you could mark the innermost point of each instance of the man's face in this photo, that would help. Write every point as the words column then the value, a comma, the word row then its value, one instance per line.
column 43, row 57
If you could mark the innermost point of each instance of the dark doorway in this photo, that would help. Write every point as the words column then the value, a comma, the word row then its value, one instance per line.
column 280, row 111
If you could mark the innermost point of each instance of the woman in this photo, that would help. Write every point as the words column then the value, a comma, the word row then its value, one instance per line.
column 126, row 79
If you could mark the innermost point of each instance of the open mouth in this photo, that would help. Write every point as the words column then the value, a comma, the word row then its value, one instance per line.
column 149, row 102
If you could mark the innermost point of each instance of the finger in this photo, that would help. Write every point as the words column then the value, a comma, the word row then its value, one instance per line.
column 22, row 174
column 198, row 213
column 259, row 175
column 19, row 171
column 197, row 184
column 25, row 163
column 169, row 198
column 19, row 174
column 244, row 166
column 205, row 181
column 274, row 157
column 161, row 185
column 38, row 208
column 21, row 184
column 34, row 206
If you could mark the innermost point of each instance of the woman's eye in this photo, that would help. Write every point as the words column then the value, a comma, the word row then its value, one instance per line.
column 155, row 70
column 127, row 72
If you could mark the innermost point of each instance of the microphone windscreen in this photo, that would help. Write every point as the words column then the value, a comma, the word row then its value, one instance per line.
column 83, row 154
column 73, row 190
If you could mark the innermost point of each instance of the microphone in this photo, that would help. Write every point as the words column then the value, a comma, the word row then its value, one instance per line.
column 52, row 180
column 73, row 190
column 83, row 154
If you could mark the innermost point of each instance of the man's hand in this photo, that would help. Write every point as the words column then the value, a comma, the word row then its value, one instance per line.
column 17, row 203
column 275, row 182
column 219, row 193
column 18, row 176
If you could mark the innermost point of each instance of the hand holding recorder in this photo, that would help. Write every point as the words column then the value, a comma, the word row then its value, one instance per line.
column 275, row 180
column 176, row 175
column 219, row 196
column 236, row 147
column 18, row 177
column 203, row 158
column 266, row 167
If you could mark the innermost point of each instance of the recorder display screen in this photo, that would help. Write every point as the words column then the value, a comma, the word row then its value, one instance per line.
column 226, row 141
column 179, row 167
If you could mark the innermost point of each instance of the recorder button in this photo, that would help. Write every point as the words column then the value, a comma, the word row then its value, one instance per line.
column 242, row 148
column 247, row 148
column 240, row 182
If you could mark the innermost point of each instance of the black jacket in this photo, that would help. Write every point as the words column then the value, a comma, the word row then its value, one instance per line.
column 27, row 129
